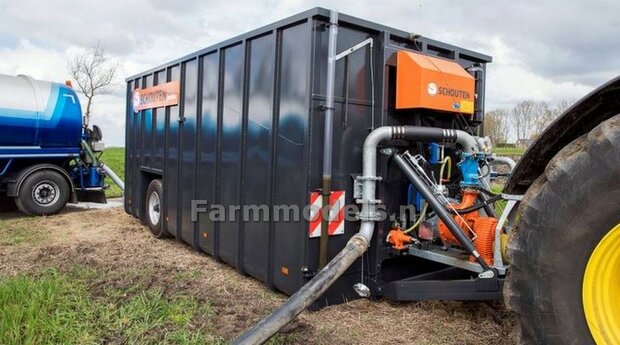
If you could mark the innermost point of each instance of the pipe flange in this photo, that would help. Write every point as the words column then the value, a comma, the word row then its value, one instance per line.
column 368, row 178
column 369, row 217
column 368, row 201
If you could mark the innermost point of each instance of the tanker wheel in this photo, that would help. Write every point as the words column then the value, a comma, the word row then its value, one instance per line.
column 43, row 193
column 564, row 280
column 153, row 207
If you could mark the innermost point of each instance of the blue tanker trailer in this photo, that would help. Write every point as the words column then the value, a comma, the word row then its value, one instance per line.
column 47, row 157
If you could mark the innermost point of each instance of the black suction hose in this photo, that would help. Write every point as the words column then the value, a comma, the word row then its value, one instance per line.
column 267, row 327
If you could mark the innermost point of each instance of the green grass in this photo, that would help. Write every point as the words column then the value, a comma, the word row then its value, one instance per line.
column 509, row 151
column 501, row 204
column 114, row 157
column 60, row 308
column 20, row 231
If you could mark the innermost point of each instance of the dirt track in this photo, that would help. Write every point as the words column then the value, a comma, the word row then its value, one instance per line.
column 115, row 243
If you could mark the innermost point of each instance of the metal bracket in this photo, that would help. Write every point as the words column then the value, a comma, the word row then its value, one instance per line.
column 356, row 47
column 512, row 197
column 325, row 108
column 498, row 261
column 388, row 151
column 486, row 274
column 444, row 258
column 358, row 184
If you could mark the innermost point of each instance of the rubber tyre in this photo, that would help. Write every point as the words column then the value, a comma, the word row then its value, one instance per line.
column 26, row 201
column 156, row 227
column 563, row 216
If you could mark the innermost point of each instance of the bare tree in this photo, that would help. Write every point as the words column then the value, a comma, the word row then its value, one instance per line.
column 93, row 71
column 547, row 114
column 563, row 105
column 495, row 125
column 521, row 119
column 542, row 115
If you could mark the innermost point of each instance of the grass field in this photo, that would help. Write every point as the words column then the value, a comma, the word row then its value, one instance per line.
column 509, row 151
column 51, row 307
column 98, row 276
column 114, row 157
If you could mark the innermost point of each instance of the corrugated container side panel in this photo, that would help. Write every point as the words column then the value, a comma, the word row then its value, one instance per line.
column 171, row 173
column 352, row 123
column 129, row 148
column 147, row 131
column 138, row 133
column 187, row 171
column 207, row 167
column 231, row 136
column 352, row 114
column 257, row 192
column 352, row 120
column 135, row 154
column 291, row 160
column 159, row 120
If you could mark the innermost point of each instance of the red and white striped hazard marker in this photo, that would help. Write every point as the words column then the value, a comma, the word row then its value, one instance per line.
column 336, row 213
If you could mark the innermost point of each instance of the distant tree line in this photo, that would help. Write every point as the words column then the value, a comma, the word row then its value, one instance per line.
column 526, row 120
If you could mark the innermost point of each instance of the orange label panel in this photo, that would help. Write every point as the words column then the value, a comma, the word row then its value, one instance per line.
column 157, row 96
column 433, row 83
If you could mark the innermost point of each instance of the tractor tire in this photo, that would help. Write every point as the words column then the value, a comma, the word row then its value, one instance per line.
column 563, row 217
column 153, row 206
column 43, row 193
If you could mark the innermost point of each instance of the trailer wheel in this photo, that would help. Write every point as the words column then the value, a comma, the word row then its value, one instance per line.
column 43, row 193
column 564, row 281
column 153, row 207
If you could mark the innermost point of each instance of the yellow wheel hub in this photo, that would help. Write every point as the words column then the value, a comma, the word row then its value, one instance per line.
column 601, row 290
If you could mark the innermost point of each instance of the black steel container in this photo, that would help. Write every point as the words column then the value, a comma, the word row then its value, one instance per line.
column 248, row 130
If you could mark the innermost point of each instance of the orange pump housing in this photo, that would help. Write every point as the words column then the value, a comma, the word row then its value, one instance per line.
column 483, row 227
column 433, row 83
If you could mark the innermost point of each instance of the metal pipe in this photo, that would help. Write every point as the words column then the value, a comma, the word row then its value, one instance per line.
column 329, row 133
column 439, row 209
column 480, row 92
column 358, row 244
column 109, row 172
column 505, row 161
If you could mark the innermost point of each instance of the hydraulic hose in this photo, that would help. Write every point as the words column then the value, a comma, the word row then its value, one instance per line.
column 419, row 220
column 109, row 172
column 478, row 206
column 358, row 244
column 445, row 162
column 89, row 152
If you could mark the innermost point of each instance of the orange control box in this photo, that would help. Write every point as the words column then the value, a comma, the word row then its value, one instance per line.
column 433, row 83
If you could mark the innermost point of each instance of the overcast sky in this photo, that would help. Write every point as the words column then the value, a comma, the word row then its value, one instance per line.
column 542, row 50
